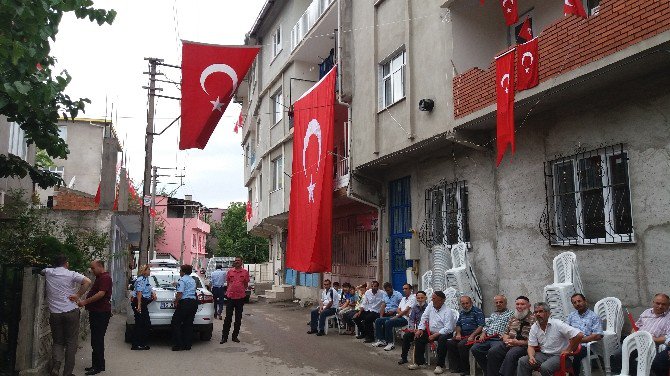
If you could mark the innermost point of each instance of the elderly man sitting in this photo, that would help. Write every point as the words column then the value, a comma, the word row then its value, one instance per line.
column 469, row 325
column 588, row 322
column 413, row 321
column 553, row 337
column 437, row 324
column 330, row 301
column 394, row 313
column 493, row 331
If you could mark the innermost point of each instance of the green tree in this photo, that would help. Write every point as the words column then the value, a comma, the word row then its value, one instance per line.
column 31, row 94
column 234, row 240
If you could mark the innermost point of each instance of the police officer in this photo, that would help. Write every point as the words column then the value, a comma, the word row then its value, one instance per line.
column 143, row 296
column 186, row 306
column 218, row 289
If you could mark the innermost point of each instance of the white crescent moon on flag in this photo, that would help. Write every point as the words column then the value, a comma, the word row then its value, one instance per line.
column 567, row 2
column 527, row 54
column 502, row 80
column 505, row 2
column 313, row 129
column 214, row 68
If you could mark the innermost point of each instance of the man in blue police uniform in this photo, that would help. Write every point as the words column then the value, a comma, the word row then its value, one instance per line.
column 186, row 306
column 218, row 281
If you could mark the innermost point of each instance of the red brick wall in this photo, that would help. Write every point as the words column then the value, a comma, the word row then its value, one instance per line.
column 572, row 42
column 67, row 199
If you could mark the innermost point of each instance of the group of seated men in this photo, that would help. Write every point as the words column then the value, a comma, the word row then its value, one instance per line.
column 508, row 343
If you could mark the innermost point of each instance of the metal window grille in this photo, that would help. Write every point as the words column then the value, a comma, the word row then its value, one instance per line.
column 446, row 214
column 588, row 198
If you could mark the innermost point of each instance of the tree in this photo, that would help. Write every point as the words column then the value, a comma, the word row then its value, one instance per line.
column 30, row 93
column 234, row 240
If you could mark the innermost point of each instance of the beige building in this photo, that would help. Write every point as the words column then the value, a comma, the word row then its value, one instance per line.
column 13, row 141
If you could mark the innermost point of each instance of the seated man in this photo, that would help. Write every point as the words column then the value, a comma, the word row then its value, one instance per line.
column 469, row 325
column 553, row 337
column 412, row 322
column 369, row 312
column 330, row 301
column 357, row 299
column 391, row 315
column 503, row 356
column 493, row 331
column 437, row 325
column 588, row 322
column 656, row 321
column 661, row 364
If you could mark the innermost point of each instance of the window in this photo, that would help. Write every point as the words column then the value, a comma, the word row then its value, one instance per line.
column 194, row 241
column 447, row 214
column 258, row 132
column 278, row 173
column 277, row 107
column 593, row 7
column 17, row 141
column 60, row 170
column 588, row 198
column 276, row 42
column 392, row 86
column 515, row 29
column 62, row 132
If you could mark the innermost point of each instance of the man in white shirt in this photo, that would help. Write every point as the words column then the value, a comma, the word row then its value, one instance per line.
column 441, row 321
column 384, row 325
column 369, row 312
column 553, row 337
column 330, row 301
column 64, row 289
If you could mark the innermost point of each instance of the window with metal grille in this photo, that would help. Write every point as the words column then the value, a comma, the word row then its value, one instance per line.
column 588, row 198
column 447, row 214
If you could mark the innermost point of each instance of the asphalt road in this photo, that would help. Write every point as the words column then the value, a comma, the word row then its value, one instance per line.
column 273, row 342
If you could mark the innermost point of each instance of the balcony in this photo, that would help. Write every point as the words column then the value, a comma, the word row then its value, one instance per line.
column 341, row 173
column 307, row 21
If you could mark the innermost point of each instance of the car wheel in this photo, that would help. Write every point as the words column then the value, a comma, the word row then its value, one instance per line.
column 206, row 335
column 129, row 333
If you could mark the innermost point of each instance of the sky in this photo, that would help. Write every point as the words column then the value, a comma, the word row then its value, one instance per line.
column 107, row 65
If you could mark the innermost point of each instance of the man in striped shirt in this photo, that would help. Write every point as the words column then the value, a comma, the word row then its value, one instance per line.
column 493, row 331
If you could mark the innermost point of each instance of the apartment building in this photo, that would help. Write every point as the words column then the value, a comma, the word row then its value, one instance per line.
column 590, row 170
column 13, row 141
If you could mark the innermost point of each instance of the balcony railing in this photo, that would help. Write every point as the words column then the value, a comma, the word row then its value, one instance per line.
column 341, row 173
column 315, row 10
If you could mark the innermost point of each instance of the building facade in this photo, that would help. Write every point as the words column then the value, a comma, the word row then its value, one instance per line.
column 13, row 141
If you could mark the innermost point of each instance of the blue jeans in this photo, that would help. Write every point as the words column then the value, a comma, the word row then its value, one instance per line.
column 384, row 327
column 320, row 318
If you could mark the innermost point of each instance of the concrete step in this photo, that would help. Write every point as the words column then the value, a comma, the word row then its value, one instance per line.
column 279, row 293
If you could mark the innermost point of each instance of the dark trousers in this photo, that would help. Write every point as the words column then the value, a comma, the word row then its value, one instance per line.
column 458, row 355
column 65, row 335
column 142, row 324
column 577, row 360
column 366, row 323
column 480, row 352
column 219, row 298
column 238, row 306
column 182, row 323
column 98, row 322
column 407, row 339
column 616, row 360
column 501, row 359
column 318, row 320
column 348, row 318
column 661, row 365
column 420, row 348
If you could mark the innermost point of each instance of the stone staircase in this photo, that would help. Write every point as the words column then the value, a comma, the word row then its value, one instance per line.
column 278, row 293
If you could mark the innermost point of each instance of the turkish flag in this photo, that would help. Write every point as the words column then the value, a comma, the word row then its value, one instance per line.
column 239, row 123
column 526, row 31
column 574, row 7
column 210, row 76
column 510, row 11
column 249, row 212
column 310, row 220
column 527, row 62
column 505, row 104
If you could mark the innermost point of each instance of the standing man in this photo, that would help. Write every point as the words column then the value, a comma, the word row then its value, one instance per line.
column 493, row 331
column 62, row 295
column 369, row 312
column 99, row 309
column 554, row 337
column 237, row 280
column 469, row 325
column 186, row 306
column 218, row 280
column 588, row 322
column 436, row 325
column 330, row 301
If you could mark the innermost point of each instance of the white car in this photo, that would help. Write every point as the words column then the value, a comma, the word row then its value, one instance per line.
column 163, row 281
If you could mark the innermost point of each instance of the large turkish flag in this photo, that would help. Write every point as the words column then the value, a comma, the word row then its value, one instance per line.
column 310, row 218
column 510, row 11
column 210, row 76
column 505, row 104
column 527, row 65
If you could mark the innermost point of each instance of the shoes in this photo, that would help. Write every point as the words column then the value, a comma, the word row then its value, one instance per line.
column 389, row 347
column 381, row 344
column 236, row 340
column 368, row 340
column 402, row 361
column 312, row 332
column 319, row 334
column 176, row 348
column 140, row 348
column 438, row 370
column 92, row 368
column 93, row 371
column 360, row 336
column 223, row 340
column 186, row 348
column 414, row 366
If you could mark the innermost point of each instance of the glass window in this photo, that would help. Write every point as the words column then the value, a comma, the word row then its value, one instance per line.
column 392, row 86
column 276, row 42
column 277, row 107
column 278, row 173
column 17, row 141
column 447, row 213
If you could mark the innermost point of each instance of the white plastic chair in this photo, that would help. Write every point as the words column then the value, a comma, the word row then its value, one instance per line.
column 452, row 298
column 566, row 271
column 461, row 276
column 610, row 312
column 427, row 280
column 643, row 342
column 558, row 299
column 440, row 265
column 335, row 318
column 429, row 294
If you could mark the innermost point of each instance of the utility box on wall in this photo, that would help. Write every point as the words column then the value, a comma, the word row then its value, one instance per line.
column 412, row 248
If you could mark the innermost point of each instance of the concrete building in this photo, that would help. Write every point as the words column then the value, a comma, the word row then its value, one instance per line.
column 13, row 141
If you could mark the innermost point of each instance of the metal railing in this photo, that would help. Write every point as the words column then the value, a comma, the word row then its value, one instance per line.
column 314, row 11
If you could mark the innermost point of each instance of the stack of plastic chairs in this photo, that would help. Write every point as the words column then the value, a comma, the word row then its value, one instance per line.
column 566, row 283
column 427, row 280
column 643, row 342
column 461, row 276
column 610, row 312
column 452, row 298
column 440, row 266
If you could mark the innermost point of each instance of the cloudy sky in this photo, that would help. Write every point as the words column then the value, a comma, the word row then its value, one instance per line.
column 107, row 64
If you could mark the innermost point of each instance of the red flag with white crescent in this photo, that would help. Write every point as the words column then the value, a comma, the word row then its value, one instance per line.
column 574, row 7
column 510, row 11
column 505, row 104
column 310, row 221
column 239, row 123
column 210, row 76
column 526, row 31
column 527, row 63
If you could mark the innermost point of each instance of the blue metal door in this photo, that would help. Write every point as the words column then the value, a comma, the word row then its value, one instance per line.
column 400, row 218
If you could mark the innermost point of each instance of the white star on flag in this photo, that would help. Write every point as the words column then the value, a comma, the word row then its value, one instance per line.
column 216, row 105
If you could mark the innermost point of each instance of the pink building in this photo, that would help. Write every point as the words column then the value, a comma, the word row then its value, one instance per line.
column 173, row 215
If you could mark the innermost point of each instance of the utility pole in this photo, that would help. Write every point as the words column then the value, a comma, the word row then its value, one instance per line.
column 152, row 231
column 183, row 227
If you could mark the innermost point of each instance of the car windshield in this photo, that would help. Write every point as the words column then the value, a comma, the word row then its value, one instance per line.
column 169, row 280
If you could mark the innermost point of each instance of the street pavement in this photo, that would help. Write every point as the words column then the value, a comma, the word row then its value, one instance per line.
column 273, row 342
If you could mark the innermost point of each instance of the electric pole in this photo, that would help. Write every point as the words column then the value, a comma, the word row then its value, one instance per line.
column 152, row 231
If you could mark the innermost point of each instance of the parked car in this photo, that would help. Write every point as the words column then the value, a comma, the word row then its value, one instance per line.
column 163, row 281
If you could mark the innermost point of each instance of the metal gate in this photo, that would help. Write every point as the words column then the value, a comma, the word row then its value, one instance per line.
column 11, row 285
column 400, row 218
